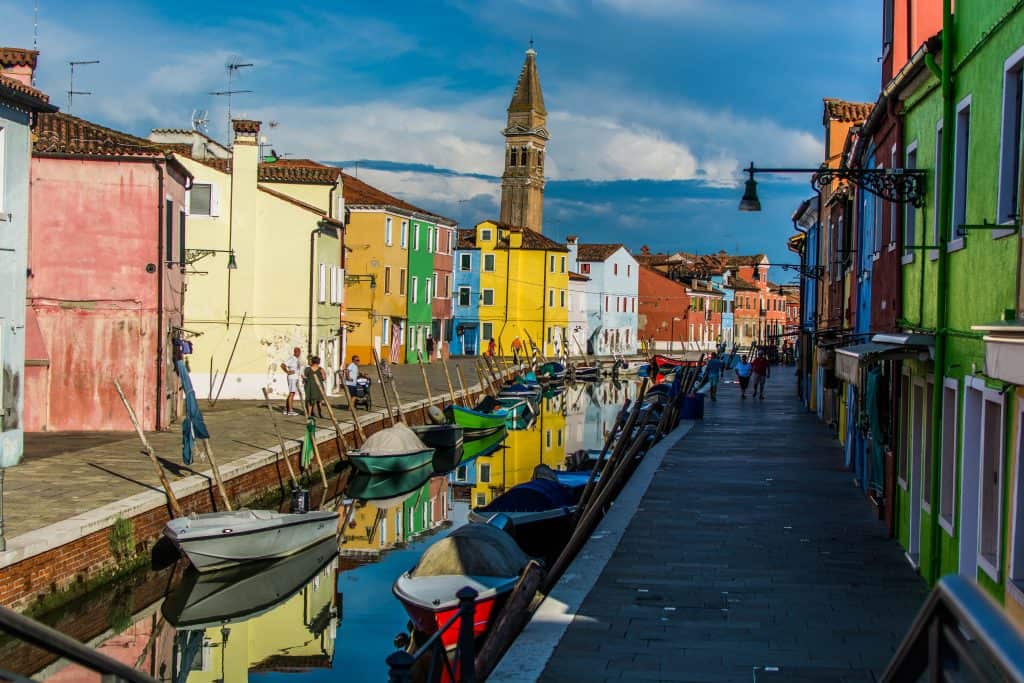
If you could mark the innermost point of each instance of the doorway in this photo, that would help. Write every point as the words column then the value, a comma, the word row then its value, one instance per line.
column 916, row 473
column 970, row 471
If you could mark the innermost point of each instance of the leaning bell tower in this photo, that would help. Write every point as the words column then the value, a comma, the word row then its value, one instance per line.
column 522, row 183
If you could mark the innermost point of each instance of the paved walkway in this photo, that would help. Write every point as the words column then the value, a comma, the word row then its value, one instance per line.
column 751, row 557
column 64, row 474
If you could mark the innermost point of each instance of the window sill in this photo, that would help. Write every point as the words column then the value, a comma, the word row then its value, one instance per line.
column 947, row 526
column 1011, row 229
column 877, row 255
column 891, row 247
column 907, row 259
column 1015, row 589
column 913, row 559
column 933, row 255
column 955, row 245
column 988, row 567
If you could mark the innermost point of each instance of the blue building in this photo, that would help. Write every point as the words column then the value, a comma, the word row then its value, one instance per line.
column 19, row 102
column 466, row 297
column 805, row 244
column 728, row 302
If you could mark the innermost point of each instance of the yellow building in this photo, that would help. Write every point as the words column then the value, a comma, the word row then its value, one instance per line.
column 524, row 288
column 263, row 261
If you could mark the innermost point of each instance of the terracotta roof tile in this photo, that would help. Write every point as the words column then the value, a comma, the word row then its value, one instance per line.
column 359, row 193
column 13, row 85
column 847, row 112
column 744, row 285
column 59, row 133
column 304, row 171
column 245, row 126
column 533, row 239
column 466, row 239
column 596, row 252
column 578, row 277
column 18, row 56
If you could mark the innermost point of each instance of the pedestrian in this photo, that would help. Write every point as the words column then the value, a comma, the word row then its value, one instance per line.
column 761, row 372
column 517, row 348
column 743, row 370
column 714, row 371
column 490, row 348
column 352, row 374
column 314, row 397
column 291, row 367
column 430, row 347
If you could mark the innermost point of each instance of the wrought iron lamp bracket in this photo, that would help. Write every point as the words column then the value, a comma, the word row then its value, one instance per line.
column 899, row 185
column 194, row 255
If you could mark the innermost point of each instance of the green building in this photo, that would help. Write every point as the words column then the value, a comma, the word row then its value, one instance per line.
column 958, row 471
column 420, row 287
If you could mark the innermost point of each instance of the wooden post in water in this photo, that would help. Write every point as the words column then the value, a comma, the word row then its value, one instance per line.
column 175, row 506
column 510, row 621
column 448, row 379
column 319, row 462
column 383, row 386
column 398, row 401
column 355, row 416
column 280, row 440
column 339, row 438
column 484, row 384
column 426, row 384
column 462, row 384
column 600, row 459
column 216, row 472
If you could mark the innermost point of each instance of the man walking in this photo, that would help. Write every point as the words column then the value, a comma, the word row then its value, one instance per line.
column 430, row 347
column 291, row 367
column 517, row 348
column 761, row 372
column 714, row 370
column 743, row 370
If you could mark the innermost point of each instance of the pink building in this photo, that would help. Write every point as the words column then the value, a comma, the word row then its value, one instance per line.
column 105, row 286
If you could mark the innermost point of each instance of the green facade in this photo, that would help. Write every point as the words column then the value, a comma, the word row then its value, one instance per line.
column 422, row 236
column 981, row 268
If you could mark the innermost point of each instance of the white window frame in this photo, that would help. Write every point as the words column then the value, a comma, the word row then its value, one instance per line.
column 483, row 297
column 483, row 266
column 416, row 236
column 893, row 206
column 926, row 444
column 910, row 212
column 486, row 331
column 415, row 286
column 387, row 279
column 1015, row 562
column 990, row 396
column 961, row 175
column 188, row 199
column 430, row 239
column 322, row 291
column 933, row 254
column 465, row 262
column 1012, row 68
column 485, row 235
column 903, row 453
column 405, row 235
column 388, row 231
column 947, row 468
column 429, row 282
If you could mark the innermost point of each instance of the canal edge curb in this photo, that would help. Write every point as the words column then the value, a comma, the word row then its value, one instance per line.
column 526, row 659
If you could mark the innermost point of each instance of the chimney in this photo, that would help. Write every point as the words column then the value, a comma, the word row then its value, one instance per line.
column 18, row 63
column 572, row 243
column 245, row 154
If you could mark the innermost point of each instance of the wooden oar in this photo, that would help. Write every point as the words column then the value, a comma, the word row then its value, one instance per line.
column 485, row 386
column 175, row 506
column 319, row 462
column 448, row 379
column 355, row 416
column 383, row 386
column 398, row 401
column 280, row 440
column 339, row 438
column 426, row 384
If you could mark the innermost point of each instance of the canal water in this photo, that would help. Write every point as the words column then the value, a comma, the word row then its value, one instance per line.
column 326, row 614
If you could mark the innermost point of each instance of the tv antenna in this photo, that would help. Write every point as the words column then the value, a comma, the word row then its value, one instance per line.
column 233, row 67
column 71, row 80
column 200, row 120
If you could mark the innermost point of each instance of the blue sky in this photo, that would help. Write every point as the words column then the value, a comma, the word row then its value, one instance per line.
column 653, row 105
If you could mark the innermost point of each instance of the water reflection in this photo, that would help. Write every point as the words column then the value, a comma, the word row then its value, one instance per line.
column 286, row 616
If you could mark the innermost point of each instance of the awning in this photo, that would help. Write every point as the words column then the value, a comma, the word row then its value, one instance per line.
column 850, row 360
column 1004, row 349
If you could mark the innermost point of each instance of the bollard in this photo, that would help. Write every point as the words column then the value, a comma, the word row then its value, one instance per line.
column 400, row 667
column 467, row 617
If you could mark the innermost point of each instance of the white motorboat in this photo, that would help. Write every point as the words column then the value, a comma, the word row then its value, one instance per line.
column 222, row 539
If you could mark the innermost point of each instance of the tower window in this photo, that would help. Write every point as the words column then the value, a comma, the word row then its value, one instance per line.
column 522, row 156
column 511, row 156
column 540, row 158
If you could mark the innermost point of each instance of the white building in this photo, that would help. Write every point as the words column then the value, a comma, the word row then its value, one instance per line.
column 579, row 333
column 612, row 295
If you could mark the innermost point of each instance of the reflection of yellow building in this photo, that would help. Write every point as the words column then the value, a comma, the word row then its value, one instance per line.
column 380, row 525
column 297, row 635
column 542, row 443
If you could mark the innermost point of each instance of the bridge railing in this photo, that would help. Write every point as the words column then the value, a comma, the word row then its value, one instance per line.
column 432, row 654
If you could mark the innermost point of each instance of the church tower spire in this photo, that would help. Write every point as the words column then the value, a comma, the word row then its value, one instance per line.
column 522, row 183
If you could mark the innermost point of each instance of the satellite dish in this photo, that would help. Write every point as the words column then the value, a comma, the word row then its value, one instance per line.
column 200, row 119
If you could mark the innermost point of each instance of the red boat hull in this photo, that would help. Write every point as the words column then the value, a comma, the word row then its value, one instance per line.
column 429, row 621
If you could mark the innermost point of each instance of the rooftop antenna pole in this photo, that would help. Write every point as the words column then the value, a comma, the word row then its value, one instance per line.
column 71, row 80
column 233, row 68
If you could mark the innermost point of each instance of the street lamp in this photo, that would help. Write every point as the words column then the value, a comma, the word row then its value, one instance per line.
column 897, row 185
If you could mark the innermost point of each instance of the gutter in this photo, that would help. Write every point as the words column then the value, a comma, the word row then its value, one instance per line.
column 160, row 291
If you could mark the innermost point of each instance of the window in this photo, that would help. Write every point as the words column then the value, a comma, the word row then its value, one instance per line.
column 960, row 165
column 388, row 231
column 910, row 220
column 878, row 206
column 1010, row 140
column 465, row 262
column 512, row 156
column 447, row 285
column 488, row 297
column 461, row 472
column 200, row 199
column 629, row 270
column 416, row 237
column 991, row 487
column 552, row 268
column 181, row 238
column 387, row 279
column 938, row 185
column 547, row 439
column 486, row 330
column 634, row 304
column 947, row 474
column 1016, row 564
column 430, row 289
column 401, row 282
column 562, row 270
column 415, row 289
column 551, row 298
column 606, row 300
column 485, row 235
column 562, row 293
column 585, row 268
column 322, row 298
column 405, row 235
column 540, row 158
column 926, row 451
column 464, row 293
column 168, row 230
column 485, row 473
column 522, row 156
column 488, row 263
column 430, row 239
column 887, row 12
column 615, row 269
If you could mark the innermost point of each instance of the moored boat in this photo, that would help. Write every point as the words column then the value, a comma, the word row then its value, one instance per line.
column 476, row 555
column 475, row 421
column 439, row 436
column 387, row 487
column 394, row 449
column 217, row 540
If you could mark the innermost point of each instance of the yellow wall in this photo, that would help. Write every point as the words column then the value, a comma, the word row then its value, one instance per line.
column 522, row 282
column 369, row 255
column 270, row 288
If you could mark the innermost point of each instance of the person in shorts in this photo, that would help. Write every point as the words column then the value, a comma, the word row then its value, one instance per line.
column 743, row 370
column 291, row 367
column 762, row 371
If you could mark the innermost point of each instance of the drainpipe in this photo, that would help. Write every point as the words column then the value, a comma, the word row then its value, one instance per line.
column 160, row 291
column 941, row 295
column 312, row 270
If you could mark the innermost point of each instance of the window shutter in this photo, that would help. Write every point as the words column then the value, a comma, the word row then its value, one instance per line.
column 341, row 286
column 323, row 282
column 214, row 200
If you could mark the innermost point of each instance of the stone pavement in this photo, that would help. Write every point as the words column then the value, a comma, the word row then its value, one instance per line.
column 64, row 474
column 752, row 556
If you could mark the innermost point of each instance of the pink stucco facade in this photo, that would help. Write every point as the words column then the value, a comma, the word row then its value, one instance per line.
column 96, row 312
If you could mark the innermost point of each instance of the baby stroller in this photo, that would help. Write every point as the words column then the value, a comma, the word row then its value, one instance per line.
column 361, row 393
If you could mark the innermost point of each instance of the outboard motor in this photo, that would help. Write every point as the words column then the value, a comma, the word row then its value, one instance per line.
column 436, row 415
column 300, row 501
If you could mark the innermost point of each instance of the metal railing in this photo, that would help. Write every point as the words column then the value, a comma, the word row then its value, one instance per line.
column 401, row 663
column 959, row 634
column 55, row 642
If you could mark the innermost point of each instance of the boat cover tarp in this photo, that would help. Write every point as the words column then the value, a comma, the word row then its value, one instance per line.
column 532, row 496
column 488, row 404
column 393, row 441
column 473, row 550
